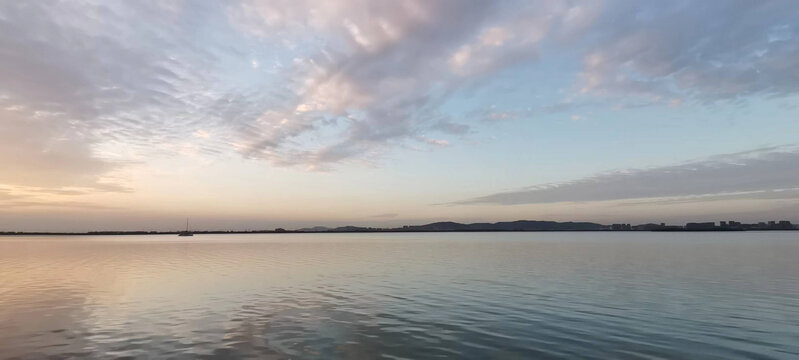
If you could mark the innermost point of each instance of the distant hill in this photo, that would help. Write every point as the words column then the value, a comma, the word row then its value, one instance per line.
column 352, row 228
column 520, row 225
column 439, row 226
column 315, row 229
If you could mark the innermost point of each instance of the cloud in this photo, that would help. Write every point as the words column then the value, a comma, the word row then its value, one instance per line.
column 37, row 150
column 778, row 194
column 13, row 197
column 6, row 195
column 75, row 76
column 492, row 114
column 451, row 128
column 22, row 204
column 378, row 84
column 384, row 70
column 767, row 172
column 320, row 83
column 438, row 142
column 701, row 50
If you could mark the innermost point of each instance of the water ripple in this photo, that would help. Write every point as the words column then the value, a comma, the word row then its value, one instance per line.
column 401, row 296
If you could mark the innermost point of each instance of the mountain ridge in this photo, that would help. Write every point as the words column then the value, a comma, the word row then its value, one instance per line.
column 518, row 225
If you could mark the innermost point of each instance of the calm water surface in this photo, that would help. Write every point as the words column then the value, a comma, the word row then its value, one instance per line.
column 396, row 296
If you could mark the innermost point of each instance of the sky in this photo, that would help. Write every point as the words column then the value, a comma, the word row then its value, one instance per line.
column 242, row 115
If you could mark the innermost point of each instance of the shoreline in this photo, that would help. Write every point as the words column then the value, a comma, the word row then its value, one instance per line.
column 133, row 233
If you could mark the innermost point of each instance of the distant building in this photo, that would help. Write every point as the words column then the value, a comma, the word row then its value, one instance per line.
column 700, row 226
column 621, row 227
column 732, row 225
column 650, row 227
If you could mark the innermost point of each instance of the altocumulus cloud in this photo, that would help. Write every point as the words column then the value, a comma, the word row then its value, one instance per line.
column 75, row 75
column 707, row 50
column 319, row 83
column 384, row 69
column 761, row 173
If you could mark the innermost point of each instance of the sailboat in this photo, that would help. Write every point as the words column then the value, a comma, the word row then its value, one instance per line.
column 187, row 232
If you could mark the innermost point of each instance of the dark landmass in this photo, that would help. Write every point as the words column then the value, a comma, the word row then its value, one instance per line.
column 315, row 229
column 449, row 226
column 520, row 225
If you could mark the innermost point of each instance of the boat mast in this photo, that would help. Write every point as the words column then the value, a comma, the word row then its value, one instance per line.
column 187, row 224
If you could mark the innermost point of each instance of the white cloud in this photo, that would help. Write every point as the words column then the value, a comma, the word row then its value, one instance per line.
column 438, row 142
column 202, row 134
column 38, row 150
column 367, row 76
column 377, row 82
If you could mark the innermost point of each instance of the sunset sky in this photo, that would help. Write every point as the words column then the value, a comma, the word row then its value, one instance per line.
column 128, row 115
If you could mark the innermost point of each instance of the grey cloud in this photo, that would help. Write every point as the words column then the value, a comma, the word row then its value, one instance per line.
column 709, row 50
column 385, row 79
column 391, row 67
column 761, row 172
column 75, row 75
column 381, row 87
column 450, row 127
column 778, row 194
column 83, row 60
column 368, row 76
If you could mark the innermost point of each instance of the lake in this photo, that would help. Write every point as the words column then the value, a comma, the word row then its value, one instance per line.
column 520, row 295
